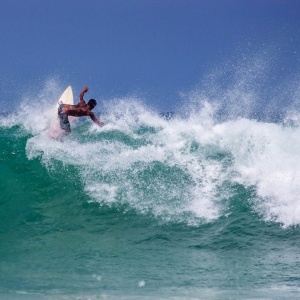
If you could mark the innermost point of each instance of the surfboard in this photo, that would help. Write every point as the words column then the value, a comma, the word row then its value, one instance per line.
column 66, row 98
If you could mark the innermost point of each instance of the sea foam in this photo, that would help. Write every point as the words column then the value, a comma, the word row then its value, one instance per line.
column 178, row 169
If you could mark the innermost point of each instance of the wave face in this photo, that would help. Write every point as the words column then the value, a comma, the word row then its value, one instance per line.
column 185, row 169
column 117, row 208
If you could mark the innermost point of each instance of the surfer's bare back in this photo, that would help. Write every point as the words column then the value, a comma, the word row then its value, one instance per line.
column 79, row 110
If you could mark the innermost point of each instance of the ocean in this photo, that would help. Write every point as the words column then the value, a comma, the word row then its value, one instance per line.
column 190, row 206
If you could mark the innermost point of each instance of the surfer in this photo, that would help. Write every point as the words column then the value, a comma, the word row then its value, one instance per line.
column 79, row 110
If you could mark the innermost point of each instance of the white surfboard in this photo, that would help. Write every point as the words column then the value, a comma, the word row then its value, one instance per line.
column 66, row 98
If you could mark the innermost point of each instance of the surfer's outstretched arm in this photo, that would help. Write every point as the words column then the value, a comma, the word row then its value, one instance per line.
column 84, row 90
column 93, row 117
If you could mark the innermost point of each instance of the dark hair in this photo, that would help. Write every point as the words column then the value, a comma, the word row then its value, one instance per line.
column 92, row 103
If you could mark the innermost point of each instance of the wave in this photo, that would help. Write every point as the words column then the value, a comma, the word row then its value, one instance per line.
column 178, row 170
column 191, row 166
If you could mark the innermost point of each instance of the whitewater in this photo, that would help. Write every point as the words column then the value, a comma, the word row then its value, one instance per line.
column 202, row 154
column 202, row 205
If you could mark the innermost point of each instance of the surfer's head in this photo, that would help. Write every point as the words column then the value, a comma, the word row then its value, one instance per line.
column 92, row 103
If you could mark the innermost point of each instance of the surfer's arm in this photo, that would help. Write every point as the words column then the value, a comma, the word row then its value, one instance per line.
column 93, row 117
column 84, row 90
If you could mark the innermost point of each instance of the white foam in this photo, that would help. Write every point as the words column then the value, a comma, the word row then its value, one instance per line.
column 265, row 156
column 142, row 283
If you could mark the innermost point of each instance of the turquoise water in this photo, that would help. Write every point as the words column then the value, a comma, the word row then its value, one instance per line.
column 148, row 208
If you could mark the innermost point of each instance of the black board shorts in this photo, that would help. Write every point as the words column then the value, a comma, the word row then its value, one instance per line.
column 63, row 119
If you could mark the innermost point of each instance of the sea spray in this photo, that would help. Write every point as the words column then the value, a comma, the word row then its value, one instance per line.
column 184, row 169
column 197, row 205
column 177, row 169
column 153, row 165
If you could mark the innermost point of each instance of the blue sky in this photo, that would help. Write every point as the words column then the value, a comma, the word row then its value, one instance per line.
column 155, row 49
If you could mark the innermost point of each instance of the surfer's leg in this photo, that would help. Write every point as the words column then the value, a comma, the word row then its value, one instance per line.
column 64, row 121
column 64, row 134
column 66, row 128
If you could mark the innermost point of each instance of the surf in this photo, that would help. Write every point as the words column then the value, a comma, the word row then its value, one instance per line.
column 188, row 167
column 179, row 170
